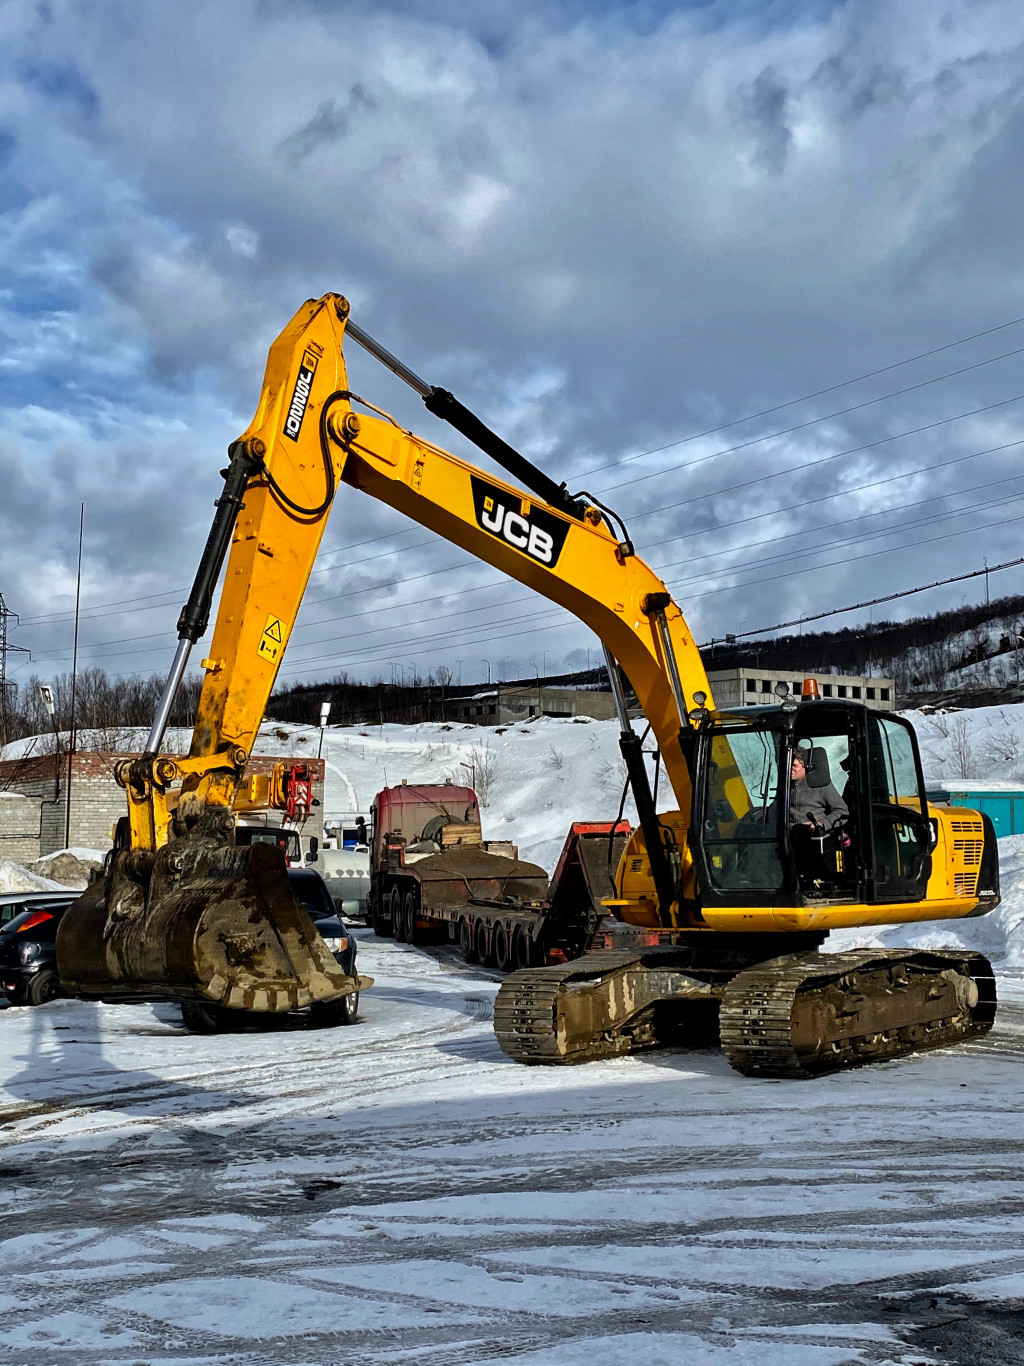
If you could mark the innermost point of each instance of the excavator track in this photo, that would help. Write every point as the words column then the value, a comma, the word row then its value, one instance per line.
column 808, row 1015
column 535, row 1020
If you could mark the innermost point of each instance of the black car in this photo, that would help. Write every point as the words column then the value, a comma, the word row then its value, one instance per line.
column 310, row 890
column 28, row 953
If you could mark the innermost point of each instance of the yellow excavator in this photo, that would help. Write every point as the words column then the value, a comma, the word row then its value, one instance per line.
column 722, row 903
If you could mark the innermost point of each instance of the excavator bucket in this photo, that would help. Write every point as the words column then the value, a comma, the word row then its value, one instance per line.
column 201, row 919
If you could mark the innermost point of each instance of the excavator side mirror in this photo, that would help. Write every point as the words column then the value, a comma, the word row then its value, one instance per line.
column 314, row 846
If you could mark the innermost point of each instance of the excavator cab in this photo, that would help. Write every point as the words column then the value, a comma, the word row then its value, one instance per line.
column 868, row 839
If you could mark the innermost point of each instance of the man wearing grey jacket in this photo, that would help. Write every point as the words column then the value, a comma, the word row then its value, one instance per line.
column 821, row 808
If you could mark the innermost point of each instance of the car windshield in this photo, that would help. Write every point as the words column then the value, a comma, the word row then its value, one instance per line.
column 311, row 893
column 288, row 840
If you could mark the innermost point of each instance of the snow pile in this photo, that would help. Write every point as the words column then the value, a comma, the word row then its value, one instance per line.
column 69, row 867
column 15, row 878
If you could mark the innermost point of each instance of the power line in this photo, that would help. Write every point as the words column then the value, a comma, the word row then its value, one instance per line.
column 811, row 422
column 851, row 559
column 811, row 464
column 441, row 641
column 790, row 403
column 695, row 436
column 660, row 569
column 394, row 583
column 873, row 602
column 789, row 556
column 173, row 592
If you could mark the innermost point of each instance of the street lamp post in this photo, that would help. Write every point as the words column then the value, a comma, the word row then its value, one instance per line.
column 46, row 693
column 325, row 711
column 488, row 663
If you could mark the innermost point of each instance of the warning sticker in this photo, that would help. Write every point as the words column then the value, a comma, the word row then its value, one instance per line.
column 272, row 640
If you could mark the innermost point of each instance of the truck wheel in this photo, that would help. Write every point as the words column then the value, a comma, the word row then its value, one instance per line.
column 397, row 919
column 481, row 943
column 380, row 926
column 522, row 948
column 202, row 1019
column 466, row 946
column 44, row 986
column 412, row 934
column 500, row 948
column 341, row 1012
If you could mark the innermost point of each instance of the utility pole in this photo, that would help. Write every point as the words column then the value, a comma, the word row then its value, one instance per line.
column 74, row 683
column 5, row 615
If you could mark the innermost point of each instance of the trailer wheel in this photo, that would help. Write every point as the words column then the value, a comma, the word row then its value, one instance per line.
column 466, row 945
column 522, row 948
column 412, row 934
column 481, row 943
column 397, row 919
column 500, row 948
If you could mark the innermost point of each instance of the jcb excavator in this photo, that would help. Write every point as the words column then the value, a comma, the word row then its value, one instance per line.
column 719, row 900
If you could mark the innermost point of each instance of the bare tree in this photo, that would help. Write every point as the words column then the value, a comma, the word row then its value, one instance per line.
column 961, row 747
column 482, row 770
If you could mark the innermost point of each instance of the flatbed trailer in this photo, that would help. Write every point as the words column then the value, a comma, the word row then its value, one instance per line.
column 455, row 886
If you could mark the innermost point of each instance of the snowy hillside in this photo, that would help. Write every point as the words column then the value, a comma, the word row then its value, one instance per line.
column 983, row 742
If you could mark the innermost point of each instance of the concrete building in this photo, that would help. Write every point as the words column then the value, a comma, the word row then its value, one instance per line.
column 749, row 687
column 506, row 703
column 34, row 801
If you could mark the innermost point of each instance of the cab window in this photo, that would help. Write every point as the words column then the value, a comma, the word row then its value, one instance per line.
column 741, row 813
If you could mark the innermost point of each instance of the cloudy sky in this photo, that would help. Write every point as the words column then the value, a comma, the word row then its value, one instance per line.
column 750, row 272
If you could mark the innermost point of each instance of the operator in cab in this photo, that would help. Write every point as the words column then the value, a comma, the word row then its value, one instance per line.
column 819, row 806
column 818, row 818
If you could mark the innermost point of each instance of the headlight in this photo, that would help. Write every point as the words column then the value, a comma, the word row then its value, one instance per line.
column 26, row 952
column 336, row 945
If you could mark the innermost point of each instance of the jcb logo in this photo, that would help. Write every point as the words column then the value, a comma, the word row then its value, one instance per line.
column 300, row 396
column 537, row 533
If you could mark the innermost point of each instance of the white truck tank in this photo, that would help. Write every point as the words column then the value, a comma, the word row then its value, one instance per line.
column 342, row 859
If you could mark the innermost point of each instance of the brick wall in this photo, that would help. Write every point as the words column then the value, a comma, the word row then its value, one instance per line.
column 96, row 799
column 19, row 827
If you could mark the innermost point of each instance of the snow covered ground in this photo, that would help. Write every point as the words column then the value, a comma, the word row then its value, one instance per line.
column 398, row 1192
